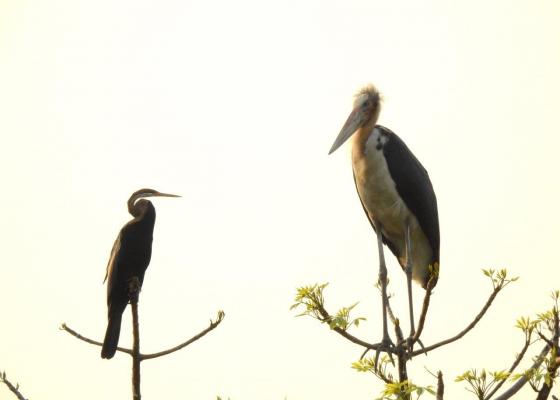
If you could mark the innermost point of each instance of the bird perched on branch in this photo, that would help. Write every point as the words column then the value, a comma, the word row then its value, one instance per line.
column 129, row 260
column 396, row 195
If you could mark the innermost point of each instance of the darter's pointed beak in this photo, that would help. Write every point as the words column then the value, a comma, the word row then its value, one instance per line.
column 159, row 194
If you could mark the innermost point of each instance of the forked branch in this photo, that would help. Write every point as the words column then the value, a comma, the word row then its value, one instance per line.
column 212, row 326
column 311, row 297
column 524, row 379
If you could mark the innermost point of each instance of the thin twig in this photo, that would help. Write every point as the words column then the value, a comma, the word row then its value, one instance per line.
column 354, row 339
column 13, row 389
column 523, row 380
column 383, row 377
column 424, row 312
column 64, row 327
column 393, row 319
column 398, row 333
column 401, row 354
column 464, row 331
column 511, row 369
column 212, row 326
column 545, row 339
column 326, row 317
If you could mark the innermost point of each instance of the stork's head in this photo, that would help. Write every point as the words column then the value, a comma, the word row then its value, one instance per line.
column 365, row 113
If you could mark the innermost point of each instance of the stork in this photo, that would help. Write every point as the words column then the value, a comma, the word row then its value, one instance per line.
column 397, row 196
column 129, row 259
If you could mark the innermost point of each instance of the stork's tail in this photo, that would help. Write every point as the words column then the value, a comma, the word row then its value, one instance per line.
column 111, row 336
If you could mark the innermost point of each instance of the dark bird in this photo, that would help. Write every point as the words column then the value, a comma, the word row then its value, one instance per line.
column 396, row 195
column 129, row 259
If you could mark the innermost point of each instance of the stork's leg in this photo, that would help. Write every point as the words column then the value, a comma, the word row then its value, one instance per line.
column 408, row 271
column 386, row 342
column 382, row 282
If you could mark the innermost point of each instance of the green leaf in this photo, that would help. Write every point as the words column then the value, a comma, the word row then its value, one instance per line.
column 547, row 379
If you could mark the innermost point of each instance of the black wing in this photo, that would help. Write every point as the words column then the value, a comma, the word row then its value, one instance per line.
column 414, row 187
column 123, row 262
column 112, row 258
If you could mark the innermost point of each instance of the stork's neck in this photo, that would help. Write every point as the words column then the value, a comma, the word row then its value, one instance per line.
column 361, row 136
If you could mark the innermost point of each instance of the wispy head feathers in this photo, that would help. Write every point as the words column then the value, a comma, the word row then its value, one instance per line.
column 368, row 92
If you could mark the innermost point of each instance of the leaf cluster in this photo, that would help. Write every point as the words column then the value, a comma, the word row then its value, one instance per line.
column 545, row 366
column 499, row 277
column 380, row 369
column 545, row 323
column 404, row 390
column 312, row 300
column 482, row 382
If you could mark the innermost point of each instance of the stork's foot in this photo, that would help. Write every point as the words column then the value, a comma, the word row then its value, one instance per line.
column 408, row 344
column 386, row 345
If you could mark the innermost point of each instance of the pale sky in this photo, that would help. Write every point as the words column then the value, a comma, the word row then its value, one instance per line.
column 234, row 105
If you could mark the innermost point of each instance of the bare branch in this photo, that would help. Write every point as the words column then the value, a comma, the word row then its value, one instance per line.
column 464, row 331
column 401, row 356
column 66, row 328
column 13, row 389
column 325, row 317
column 213, row 325
column 545, row 339
column 424, row 312
column 360, row 342
column 133, row 292
column 439, row 393
column 394, row 320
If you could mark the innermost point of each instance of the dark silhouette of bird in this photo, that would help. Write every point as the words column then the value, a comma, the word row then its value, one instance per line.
column 129, row 260
column 397, row 196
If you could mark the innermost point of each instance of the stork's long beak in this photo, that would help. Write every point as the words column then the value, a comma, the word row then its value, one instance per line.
column 355, row 120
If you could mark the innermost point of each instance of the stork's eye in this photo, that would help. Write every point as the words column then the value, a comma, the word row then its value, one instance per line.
column 365, row 104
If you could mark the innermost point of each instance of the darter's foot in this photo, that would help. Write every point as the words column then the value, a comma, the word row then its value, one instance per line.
column 134, row 287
